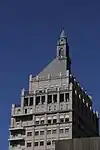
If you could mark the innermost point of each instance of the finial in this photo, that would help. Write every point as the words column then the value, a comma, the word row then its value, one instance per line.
column 22, row 92
column 62, row 34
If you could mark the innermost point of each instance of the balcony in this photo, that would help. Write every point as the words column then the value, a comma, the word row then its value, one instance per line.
column 17, row 148
column 19, row 112
column 16, row 138
column 16, row 126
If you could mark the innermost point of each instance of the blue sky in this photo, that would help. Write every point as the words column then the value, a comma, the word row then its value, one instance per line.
column 28, row 34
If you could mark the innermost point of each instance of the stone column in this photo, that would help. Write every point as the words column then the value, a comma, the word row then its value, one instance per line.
column 58, row 99
column 34, row 102
column 45, row 137
column 13, row 109
column 30, row 83
column 46, row 99
column 22, row 99
column 57, row 126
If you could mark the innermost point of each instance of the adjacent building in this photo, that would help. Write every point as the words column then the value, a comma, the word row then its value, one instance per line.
column 91, row 143
column 55, row 107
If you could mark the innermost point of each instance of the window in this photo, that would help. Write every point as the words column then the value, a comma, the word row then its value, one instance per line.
column 37, row 100
column 53, row 142
column 25, row 101
column 61, row 97
column 25, row 111
column 42, row 121
column 61, row 130
column 54, row 120
column 49, row 99
column 61, row 120
column 18, row 119
column 66, row 130
column 55, row 98
column 36, row 144
column 66, row 106
column 18, row 110
column 49, row 121
column 41, row 132
column 27, row 118
column 48, row 142
column 29, row 133
column 29, row 144
column 36, row 133
column 37, row 121
column 31, row 101
column 42, row 99
column 48, row 131
column 67, row 97
column 41, row 143
column 54, row 131
column 66, row 119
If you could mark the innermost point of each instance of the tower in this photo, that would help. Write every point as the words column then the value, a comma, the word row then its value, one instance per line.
column 63, row 50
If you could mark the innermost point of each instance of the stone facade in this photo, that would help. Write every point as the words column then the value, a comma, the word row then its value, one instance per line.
column 54, row 108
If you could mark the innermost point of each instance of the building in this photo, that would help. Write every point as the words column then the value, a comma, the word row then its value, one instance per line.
column 91, row 143
column 54, row 108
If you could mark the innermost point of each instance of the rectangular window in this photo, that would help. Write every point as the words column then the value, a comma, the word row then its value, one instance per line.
column 49, row 121
column 42, row 121
column 49, row 99
column 27, row 118
column 66, row 119
column 36, row 133
column 36, row 122
column 54, row 131
column 55, row 98
column 54, row 121
column 31, row 101
column 66, row 97
column 48, row 131
column 41, row 132
column 42, row 99
column 26, row 101
column 61, row 120
column 18, row 119
column 61, row 130
column 36, row 144
column 29, row 133
column 37, row 100
column 61, row 97
column 29, row 144
column 53, row 142
column 25, row 111
column 66, row 130
column 41, row 143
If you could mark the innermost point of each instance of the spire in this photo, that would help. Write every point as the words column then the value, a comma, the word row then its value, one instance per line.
column 62, row 34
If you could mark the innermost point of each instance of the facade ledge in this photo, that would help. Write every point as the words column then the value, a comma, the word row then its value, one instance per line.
column 21, row 114
column 16, row 128
column 16, row 138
